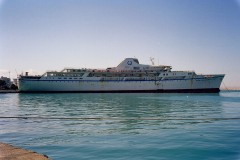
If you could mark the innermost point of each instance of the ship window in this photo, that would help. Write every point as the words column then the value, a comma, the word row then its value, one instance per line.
column 136, row 67
column 90, row 75
column 135, row 60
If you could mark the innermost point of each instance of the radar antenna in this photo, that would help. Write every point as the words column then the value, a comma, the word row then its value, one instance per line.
column 152, row 60
column 16, row 72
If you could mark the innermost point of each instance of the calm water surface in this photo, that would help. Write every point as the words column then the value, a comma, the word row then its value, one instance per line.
column 124, row 126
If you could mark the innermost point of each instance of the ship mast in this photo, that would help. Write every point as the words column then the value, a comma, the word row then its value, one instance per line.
column 152, row 60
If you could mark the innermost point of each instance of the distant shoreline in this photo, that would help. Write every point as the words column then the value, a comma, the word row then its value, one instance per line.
column 230, row 89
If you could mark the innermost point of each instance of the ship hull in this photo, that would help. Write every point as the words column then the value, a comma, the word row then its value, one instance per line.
column 207, row 90
column 192, row 85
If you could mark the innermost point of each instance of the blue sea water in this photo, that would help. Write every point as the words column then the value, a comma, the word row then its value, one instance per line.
column 124, row 126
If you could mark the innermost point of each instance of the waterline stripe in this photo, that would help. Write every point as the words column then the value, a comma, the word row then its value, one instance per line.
column 133, row 80
column 109, row 118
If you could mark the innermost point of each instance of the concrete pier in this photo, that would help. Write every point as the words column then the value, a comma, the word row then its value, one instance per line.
column 9, row 152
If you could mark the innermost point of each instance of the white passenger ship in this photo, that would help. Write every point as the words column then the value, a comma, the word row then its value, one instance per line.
column 128, row 76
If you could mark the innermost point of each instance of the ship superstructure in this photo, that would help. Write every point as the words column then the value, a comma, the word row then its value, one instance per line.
column 128, row 76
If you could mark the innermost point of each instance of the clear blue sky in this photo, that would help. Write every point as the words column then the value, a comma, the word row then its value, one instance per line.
column 200, row 35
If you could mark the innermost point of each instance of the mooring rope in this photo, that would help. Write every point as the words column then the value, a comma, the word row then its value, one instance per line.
column 112, row 118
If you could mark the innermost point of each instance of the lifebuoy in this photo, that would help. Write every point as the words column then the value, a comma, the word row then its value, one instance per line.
column 129, row 62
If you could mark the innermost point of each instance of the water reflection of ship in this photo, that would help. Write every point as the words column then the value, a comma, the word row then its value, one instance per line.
column 125, row 113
